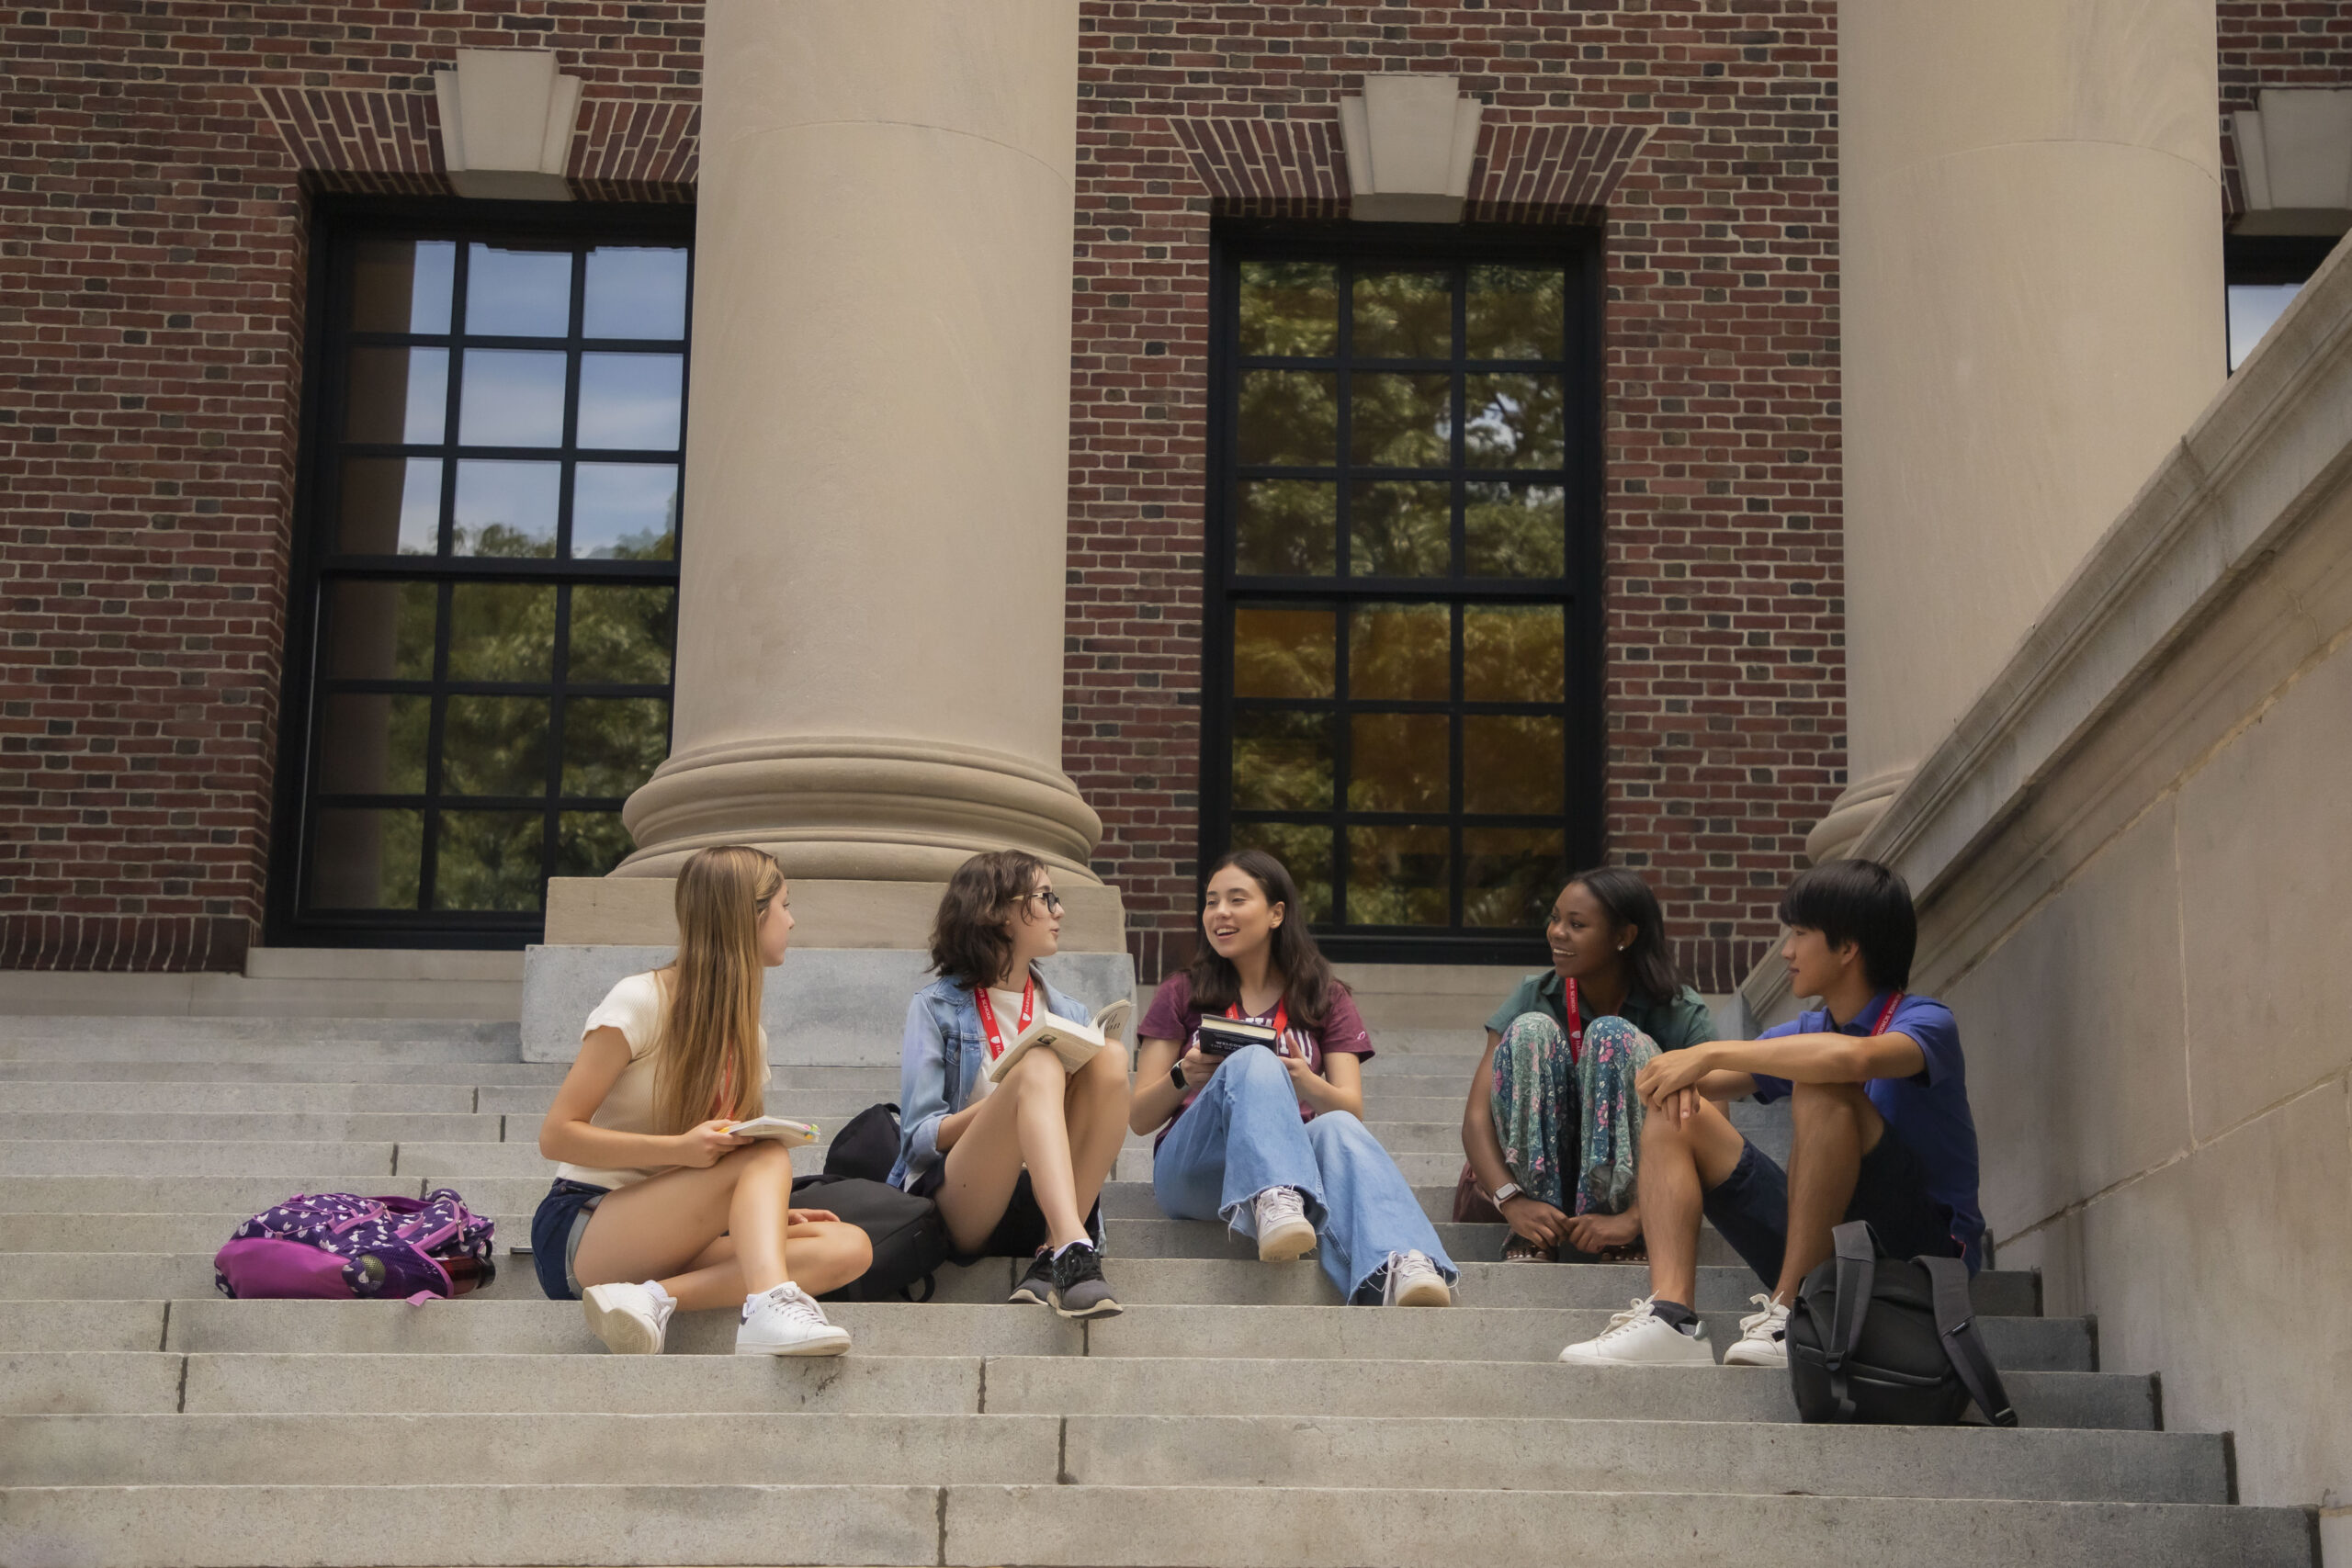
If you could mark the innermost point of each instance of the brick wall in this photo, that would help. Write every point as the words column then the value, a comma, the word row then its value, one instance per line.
column 1702, row 136
column 2276, row 44
column 151, row 273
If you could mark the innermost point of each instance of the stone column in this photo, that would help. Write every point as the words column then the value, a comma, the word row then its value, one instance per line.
column 869, row 678
column 2030, row 267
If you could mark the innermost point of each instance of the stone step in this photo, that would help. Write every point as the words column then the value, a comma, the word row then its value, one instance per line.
column 124, row 1099
column 1208, row 1238
column 810, row 1448
column 94, row 1383
column 240, row 1195
column 1242, row 1526
column 313, row 1164
column 523, row 1327
column 71, row 1070
column 254, row 1126
column 16, row 1047
column 197, row 1037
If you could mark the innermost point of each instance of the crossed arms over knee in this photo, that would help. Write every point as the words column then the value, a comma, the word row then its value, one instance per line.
column 1675, row 1082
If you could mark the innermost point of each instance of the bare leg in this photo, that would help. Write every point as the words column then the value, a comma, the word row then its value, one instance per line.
column 826, row 1255
column 1835, row 1125
column 1096, row 1114
column 661, row 1229
column 1680, row 1162
column 1023, row 1121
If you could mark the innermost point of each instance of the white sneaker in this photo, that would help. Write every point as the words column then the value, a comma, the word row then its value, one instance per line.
column 1763, row 1336
column 1414, row 1281
column 1634, row 1337
column 1284, row 1230
column 629, row 1319
column 786, row 1321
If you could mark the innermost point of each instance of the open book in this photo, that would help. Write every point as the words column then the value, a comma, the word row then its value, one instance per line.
column 1075, row 1044
column 791, row 1134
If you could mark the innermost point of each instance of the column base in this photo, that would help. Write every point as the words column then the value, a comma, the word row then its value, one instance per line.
column 859, row 809
column 1854, row 813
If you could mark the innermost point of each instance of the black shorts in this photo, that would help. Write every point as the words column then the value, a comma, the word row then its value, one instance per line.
column 1751, row 1207
column 1018, row 1232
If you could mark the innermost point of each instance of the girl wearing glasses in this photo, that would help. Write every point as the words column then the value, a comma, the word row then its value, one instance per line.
column 1017, row 1165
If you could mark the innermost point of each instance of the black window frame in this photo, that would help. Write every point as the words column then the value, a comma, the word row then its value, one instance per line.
column 1578, row 249
column 339, row 222
column 2272, row 259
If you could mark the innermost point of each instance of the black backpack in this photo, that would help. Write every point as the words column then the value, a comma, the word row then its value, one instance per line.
column 909, row 1239
column 867, row 1145
column 1875, row 1339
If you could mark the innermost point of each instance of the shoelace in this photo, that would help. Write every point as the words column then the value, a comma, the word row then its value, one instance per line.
column 1623, row 1322
column 1282, row 1203
column 1755, row 1320
column 799, row 1306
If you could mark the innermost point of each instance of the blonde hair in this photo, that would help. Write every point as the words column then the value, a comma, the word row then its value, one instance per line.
column 711, row 1043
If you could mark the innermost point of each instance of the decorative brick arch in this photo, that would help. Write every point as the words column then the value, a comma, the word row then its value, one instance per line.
column 390, row 144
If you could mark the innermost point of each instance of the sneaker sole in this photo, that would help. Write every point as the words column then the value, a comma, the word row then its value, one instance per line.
column 807, row 1348
column 1738, row 1357
column 1026, row 1298
column 1099, row 1309
column 1426, row 1293
column 623, row 1333
column 1615, row 1361
column 1288, row 1243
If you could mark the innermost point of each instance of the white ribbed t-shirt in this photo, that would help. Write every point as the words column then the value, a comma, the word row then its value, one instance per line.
column 639, row 1006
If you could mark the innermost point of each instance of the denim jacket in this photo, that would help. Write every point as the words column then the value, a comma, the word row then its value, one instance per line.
column 940, row 1063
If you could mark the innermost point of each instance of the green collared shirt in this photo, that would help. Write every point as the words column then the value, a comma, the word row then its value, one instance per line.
column 1681, row 1020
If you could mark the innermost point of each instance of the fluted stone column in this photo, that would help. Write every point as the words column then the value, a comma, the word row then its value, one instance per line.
column 2031, row 266
column 869, row 676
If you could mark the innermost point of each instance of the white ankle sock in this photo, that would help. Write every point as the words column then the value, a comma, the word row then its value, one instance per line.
column 659, row 1293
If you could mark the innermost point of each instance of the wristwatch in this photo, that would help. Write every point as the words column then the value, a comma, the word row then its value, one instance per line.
column 1506, row 1192
column 1176, row 1076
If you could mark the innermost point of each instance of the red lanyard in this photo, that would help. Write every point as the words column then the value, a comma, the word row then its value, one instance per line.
column 987, row 1013
column 1281, row 1020
column 1887, row 1013
column 1576, row 1027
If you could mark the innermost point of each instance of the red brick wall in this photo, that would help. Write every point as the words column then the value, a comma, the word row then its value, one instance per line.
column 1703, row 136
column 2278, row 43
column 151, row 275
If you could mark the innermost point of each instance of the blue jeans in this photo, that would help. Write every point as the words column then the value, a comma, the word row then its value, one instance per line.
column 1243, row 1135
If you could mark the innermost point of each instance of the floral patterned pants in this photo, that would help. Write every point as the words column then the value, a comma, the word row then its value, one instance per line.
column 1570, row 1130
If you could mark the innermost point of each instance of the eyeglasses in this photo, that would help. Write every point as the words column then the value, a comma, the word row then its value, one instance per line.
column 1053, row 900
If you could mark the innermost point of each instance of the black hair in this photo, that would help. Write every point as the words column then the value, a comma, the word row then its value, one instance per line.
column 1308, row 980
column 1862, row 902
column 1627, row 900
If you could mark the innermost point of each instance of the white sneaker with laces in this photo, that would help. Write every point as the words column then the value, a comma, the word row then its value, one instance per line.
column 786, row 1321
column 1763, row 1336
column 1637, row 1338
column 629, row 1319
column 1284, row 1230
column 1414, row 1281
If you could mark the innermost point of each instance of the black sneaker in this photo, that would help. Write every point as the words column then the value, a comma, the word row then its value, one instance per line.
column 1079, row 1288
column 1036, row 1286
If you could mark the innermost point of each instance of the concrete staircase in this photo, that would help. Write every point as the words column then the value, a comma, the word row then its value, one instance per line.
column 1235, row 1415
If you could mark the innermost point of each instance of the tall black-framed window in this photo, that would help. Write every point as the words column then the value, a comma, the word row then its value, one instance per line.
column 1402, row 680
column 483, row 610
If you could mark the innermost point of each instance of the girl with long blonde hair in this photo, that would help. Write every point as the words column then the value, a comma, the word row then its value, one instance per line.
column 656, row 1206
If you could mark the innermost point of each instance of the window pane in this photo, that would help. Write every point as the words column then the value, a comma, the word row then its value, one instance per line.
column 1401, row 528
column 512, row 396
column 1282, row 762
column 630, row 399
column 1514, row 653
column 1397, row 762
column 494, row 746
column 1397, row 877
column 1404, row 315
column 611, row 745
column 1304, row 851
column 1516, row 530
column 590, row 843
column 2255, row 309
column 622, row 634
column 1280, row 652
column 1514, row 765
column 1516, row 312
column 1289, row 419
column 380, row 631
column 1289, row 308
column 390, row 506
column 371, row 743
column 1514, row 421
column 502, row 631
column 397, row 395
column 1400, row 652
column 1286, row 528
column 402, row 285
column 625, row 511
column 1510, row 875
column 366, row 860
column 489, row 860
column 518, row 293
column 1401, row 421
column 635, row 291
column 506, row 509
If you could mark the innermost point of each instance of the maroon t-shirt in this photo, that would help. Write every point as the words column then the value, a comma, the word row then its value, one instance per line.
column 1172, row 1016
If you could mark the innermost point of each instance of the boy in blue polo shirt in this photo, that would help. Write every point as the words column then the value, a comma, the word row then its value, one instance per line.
column 1881, row 1129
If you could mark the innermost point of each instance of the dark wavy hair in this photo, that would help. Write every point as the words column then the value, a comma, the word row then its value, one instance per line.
column 1650, row 961
column 1308, row 980
column 968, row 942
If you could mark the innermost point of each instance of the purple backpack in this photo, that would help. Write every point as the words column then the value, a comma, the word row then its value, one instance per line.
column 336, row 1247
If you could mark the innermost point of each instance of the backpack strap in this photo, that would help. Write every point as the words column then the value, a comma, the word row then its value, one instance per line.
column 1963, row 1347
column 1857, row 1274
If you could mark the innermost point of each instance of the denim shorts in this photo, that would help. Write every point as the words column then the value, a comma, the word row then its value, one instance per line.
column 1751, row 1207
column 556, row 1230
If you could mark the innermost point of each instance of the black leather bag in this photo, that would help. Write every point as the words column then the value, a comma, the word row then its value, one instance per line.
column 1876, row 1339
column 867, row 1145
column 909, row 1238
